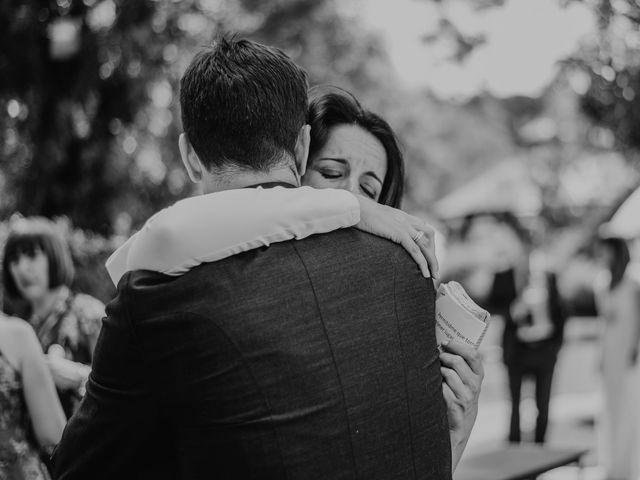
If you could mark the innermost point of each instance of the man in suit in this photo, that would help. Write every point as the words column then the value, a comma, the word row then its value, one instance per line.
column 310, row 359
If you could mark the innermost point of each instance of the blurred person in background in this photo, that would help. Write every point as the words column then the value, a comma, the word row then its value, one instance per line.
column 533, row 336
column 37, row 270
column 351, row 150
column 618, row 303
column 512, row 280
column 31, row 417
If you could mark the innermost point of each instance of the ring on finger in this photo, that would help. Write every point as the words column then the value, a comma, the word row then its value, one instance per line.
column 418, row 236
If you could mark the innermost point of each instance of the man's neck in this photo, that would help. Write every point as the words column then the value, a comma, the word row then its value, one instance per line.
column 234, row 179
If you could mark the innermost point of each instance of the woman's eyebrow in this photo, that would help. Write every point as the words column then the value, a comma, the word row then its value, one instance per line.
column 335, row 159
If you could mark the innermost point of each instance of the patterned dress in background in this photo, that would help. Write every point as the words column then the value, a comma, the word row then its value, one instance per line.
column 19, row 458
column 73, row 323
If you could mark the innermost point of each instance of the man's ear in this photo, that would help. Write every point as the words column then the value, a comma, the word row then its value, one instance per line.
column 190, row 159
column 302, row 149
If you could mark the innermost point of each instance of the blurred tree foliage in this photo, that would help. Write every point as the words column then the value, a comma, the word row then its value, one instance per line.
column 605, row 72
column 89, row 115
column 445, row 144
column 568, row 133
column 611, row 64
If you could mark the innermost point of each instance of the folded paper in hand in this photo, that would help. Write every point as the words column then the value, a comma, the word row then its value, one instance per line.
column 458, row 317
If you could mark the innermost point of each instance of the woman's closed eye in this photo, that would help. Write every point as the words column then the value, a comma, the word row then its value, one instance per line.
column 369, row 191
column 330, row 173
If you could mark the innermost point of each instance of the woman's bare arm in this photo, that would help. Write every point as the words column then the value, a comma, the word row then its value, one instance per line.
column 40, row 394
column 211, row 227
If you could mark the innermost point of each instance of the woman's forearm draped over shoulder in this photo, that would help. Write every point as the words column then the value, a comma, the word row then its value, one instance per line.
column 218, row 225
column 211, row 227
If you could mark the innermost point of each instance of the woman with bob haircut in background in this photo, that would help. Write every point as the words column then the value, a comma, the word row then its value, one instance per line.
column 37, row 274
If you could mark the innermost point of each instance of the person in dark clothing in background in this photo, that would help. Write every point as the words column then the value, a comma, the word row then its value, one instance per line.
column 525, row 293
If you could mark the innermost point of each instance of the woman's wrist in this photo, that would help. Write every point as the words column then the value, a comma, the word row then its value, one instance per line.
column 458, row 445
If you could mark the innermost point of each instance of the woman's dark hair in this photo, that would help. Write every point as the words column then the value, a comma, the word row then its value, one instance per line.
column 328, row 109
column 621, row 258
column 25, row 237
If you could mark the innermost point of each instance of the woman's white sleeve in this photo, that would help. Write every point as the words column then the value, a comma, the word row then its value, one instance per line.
column 211, row 227
column 117, row 263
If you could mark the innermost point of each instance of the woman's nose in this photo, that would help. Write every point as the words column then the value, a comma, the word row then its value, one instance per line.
column 351, row 184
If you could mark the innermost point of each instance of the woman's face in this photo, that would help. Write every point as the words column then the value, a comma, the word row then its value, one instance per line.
column 352, row 159
column 31, row 274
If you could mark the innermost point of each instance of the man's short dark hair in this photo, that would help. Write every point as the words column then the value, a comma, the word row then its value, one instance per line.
column 243, row 104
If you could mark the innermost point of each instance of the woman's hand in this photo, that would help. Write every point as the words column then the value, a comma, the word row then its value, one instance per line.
column 463, row 372
column 402, row 228
column 67, row 375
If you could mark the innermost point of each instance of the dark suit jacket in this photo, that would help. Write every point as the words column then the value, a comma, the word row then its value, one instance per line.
column 516, row 352
column 311, row 359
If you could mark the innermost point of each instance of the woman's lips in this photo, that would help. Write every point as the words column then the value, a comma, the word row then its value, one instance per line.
column 26, row 283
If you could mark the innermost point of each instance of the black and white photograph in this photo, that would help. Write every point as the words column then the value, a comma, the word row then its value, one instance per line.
column 320, row 239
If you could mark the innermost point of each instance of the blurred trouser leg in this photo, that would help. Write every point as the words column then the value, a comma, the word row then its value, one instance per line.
column 516, row 373
column 544, row 378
